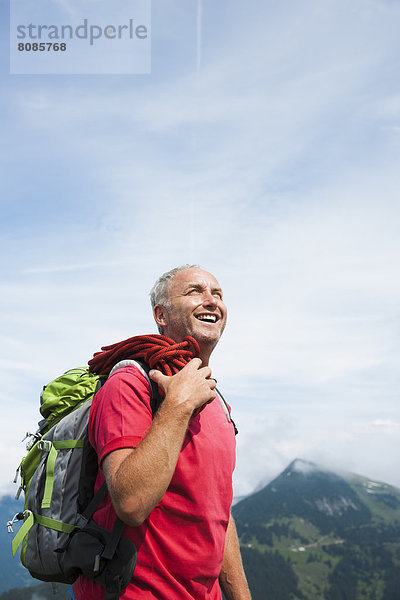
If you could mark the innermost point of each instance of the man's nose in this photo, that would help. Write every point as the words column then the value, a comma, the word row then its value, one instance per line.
column 209, row 299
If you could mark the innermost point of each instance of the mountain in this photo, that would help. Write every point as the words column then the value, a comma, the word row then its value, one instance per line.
column 312, row 534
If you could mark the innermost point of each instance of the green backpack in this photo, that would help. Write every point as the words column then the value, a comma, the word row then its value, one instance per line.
column 59, row 539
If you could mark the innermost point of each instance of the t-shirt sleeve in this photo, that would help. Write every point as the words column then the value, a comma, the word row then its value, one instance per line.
column 121, row 414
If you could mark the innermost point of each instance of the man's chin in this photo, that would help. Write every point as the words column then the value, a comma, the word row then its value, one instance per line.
column 209, row 338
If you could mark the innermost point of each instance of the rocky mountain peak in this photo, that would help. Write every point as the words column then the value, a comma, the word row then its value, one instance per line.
column 305, row 467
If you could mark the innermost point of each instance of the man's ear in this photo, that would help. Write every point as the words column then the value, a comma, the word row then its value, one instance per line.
column 160, row 315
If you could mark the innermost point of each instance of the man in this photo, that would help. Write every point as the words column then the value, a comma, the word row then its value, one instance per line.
column 170, row 477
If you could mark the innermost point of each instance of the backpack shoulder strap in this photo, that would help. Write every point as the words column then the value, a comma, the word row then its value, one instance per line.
column 144, row 368
column 226, row 410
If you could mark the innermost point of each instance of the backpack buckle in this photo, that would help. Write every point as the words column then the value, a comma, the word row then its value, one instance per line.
column 18, row 517
column 44, row 445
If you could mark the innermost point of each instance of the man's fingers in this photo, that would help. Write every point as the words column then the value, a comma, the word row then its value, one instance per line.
column 196, row 365
column 195, row 362
column 193, row 383
column 157, row 376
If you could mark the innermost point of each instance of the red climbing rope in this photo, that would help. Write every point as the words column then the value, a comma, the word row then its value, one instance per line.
column 158, row 351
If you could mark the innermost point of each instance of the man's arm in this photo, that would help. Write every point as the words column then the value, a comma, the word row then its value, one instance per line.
column 232, row 578
column 137, row 478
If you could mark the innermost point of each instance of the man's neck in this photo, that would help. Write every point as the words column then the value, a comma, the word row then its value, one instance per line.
column 205, row 354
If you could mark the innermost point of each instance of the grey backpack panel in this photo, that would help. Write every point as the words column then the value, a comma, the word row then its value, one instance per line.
column 64, row 500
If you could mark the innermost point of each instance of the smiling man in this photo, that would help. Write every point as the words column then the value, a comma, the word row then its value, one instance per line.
column 170, row 477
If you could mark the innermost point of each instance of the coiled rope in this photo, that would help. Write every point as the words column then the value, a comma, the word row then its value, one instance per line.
column 158, row 351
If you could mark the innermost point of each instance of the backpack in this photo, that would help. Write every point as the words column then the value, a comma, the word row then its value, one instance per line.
column 59, row 539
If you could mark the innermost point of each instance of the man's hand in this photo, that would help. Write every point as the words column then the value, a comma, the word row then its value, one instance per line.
column 191, row 388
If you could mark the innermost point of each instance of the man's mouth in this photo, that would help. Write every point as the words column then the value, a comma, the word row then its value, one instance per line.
column 208, row 318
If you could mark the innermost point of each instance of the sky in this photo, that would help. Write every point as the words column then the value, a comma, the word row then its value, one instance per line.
column 264, row 145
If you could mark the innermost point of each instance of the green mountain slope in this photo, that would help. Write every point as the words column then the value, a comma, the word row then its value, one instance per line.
column 312, row 534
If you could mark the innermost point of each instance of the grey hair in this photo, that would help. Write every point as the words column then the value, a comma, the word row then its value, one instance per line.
column 159, row 293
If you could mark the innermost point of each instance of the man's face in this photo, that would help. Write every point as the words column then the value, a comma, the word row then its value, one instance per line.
column 195, row 308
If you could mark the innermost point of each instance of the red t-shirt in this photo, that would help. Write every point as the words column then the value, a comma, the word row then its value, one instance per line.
column 181, row 544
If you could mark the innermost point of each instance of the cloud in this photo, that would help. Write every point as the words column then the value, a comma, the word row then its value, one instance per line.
column 269, row 442
column 385, row 426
